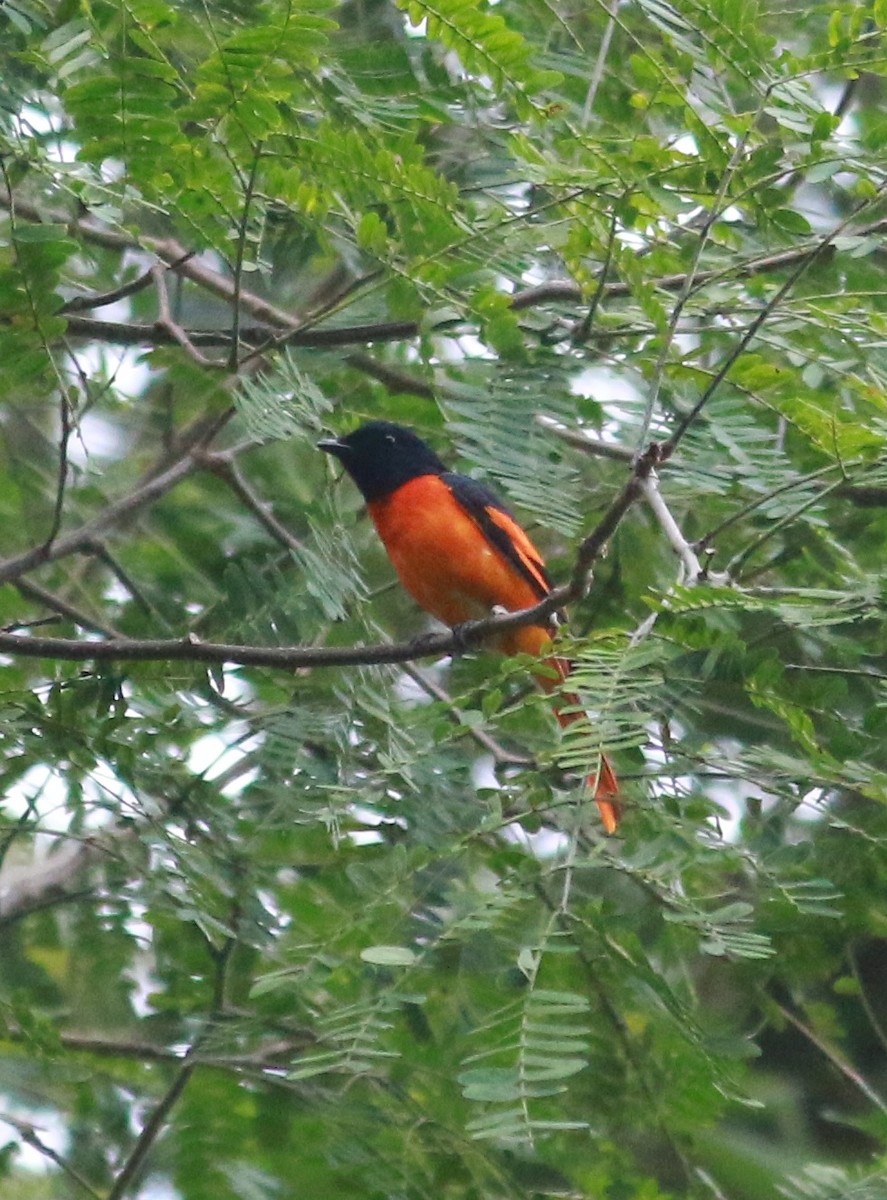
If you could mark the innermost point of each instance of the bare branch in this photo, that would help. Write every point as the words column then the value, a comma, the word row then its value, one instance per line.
column 394, row 378
column 690, row 564
column 167, row 322
column 191, row 649
column 585, row 441
column 134, row 333
column 177, row 257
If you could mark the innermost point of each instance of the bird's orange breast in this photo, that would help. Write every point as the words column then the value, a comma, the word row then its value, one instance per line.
column 442, row 556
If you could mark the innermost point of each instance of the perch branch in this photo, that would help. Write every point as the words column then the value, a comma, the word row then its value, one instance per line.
column 191, row 649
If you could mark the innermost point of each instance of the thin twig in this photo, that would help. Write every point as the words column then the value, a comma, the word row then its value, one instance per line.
column 877, row 1027
column 167, row 322
column 585, row 441
column 100, row 551
column 737, row 563
column 717, row 207
column 802, row 265
column 837, row 1060
column 33, row 591
column 597, row 73
column 705, row 541
column 584, row 329
column 62, row 474
column 92, row 300
column 240, row 251
column 152, row 1128
column 225, row 466
column 28, row 1133
column 484, row 740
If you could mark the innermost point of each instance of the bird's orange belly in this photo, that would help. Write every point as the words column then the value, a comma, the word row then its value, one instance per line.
column 442, row 557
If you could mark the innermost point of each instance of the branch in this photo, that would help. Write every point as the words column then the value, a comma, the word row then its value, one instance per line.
column 584, row 441
column 594, row 544
column 831, row 1054
column 191, row 649
column 56, row 604
column 171, row 252
column 225, row 467
column 566, row 292
column 28, row 1133
column 177, row 257
column 134, row 333
column 472, row 633
column 691, row 567
column 166, row 322
column 62, row 476
column 275, row 1055
column 394, row 378
column 152, row 1128
column 101, row 552
column 89, row 300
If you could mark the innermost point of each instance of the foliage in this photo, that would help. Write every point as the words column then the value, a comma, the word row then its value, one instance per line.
column 355, row 930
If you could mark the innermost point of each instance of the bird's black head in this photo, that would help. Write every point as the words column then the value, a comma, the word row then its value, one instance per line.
column 381, row 456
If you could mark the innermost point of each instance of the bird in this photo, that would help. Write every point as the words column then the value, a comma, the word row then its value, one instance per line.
column 460, row 553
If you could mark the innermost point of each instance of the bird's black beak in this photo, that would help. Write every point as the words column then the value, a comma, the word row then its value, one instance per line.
column 333, row 446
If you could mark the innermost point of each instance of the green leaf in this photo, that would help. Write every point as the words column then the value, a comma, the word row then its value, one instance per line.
column 389, row 956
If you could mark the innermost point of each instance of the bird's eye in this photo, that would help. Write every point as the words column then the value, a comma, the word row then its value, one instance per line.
column 389, row 437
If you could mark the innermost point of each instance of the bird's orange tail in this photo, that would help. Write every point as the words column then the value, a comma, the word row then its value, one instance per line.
column 604, row 784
